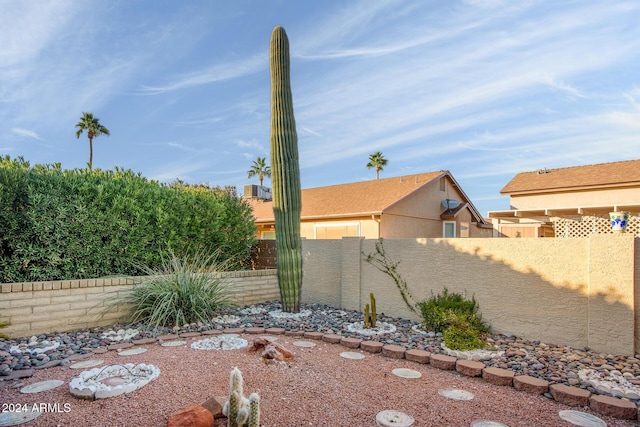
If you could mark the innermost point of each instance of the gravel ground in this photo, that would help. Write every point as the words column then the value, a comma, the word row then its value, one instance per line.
column 316, row 387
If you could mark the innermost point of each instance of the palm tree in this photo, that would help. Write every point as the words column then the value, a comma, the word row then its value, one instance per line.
column 260, row 168
column 94, row 129
column 377, row 160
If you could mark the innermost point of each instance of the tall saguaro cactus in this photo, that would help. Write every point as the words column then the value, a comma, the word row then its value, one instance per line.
column 285, row 175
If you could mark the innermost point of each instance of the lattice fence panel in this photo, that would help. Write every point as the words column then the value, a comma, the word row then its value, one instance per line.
column 584, row 226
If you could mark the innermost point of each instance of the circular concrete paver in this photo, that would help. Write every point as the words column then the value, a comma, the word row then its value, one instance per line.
column 175, row 343
column 406, row 373
column 352, row 355
column 391, row 418
column 16, row 418
column 455, row 394
column 132, row 352
column 581, row 419
column 41, row 386
column 304, row 344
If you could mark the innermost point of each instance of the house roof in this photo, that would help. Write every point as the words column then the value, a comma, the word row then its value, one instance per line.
column 362, row 198
column 603, row 175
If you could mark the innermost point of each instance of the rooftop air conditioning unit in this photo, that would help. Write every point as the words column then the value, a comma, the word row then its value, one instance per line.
column 253, row 191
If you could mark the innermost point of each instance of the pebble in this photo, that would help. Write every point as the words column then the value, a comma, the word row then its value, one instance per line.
column 555, row 363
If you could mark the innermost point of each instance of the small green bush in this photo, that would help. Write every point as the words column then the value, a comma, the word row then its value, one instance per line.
column 442, row 310
column 182, row 291
column 462, row 335
column 4, row 324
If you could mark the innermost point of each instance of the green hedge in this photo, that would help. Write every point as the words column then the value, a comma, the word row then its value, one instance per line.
column 71, row 224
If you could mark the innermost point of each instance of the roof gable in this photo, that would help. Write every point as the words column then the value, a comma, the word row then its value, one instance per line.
column 602, row 175
column 364, row 198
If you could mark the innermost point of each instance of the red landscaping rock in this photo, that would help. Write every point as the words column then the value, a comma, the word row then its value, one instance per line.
column 275, row 331
column 193, row 415
column 313, row 335
column 613, row 406
column 393, row 351
column 215, row 405
column 372, row 346
column 442, row 361
column 332, row 338
column 470, row 368
column 572, row 396
column 498, row 376
column 419, row 356
column 254, row 331
column 351, row 342
column 530, row 384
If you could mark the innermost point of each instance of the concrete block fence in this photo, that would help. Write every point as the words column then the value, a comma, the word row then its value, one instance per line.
column 64, row 305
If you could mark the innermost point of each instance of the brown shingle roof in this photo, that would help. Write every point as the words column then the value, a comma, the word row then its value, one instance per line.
column 605, row 175
column 353, row 199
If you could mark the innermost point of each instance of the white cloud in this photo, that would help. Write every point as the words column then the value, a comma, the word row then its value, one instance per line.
column 26, row 133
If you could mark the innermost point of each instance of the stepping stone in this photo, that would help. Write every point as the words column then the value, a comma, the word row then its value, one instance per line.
column 391, row 418
column 254, row 331
column 613, row 406
column 530, row 384
column 455, row 394
column 294, row 333
column 233, row 330
column 442, row 361
column 498, row 376
column 352, row 355
column 372, row 346
column 419, row 356
column 581, row 419
column 132, row 352
column 276, row 331
column 572, row 396
column 406, row 373
column 79, row 356
column 212, row 332
column 393, row 351
column 486, row 423
column 332, row 338
column 17, row 418
column 314, row 335
column 174, row 343
column 87, row 364
column 351, row 342
column 470, row 368
column 101, row 350
column 41, row 386
column 304, row 344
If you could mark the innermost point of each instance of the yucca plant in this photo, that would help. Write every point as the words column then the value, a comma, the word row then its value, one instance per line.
column 183, row 290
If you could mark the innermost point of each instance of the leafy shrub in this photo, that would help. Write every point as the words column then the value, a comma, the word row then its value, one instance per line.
column 182, row 291
column 442, row 310
column 4, row 324
column 462, row 335
column 57, row 225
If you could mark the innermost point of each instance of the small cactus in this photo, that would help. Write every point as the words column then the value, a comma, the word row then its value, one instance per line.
column 240, row 411
column 370, row 316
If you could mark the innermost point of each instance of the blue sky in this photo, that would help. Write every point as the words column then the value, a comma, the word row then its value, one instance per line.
column 483, row 88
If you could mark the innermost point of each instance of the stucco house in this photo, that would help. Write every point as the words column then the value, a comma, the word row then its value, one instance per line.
column 423, row 205
column 570, row 202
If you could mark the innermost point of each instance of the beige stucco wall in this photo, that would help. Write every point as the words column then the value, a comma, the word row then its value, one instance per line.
column 565, row 291
column 368, row 226
column 627, row 196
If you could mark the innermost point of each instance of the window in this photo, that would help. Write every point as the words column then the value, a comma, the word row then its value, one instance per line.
column 448, row 229
column 337, row 231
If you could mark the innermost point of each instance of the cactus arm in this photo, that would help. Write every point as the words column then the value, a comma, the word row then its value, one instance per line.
column 254, row 409
column 367, row 318
column 374, row 316
column 232, row 415
column 285, row 175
